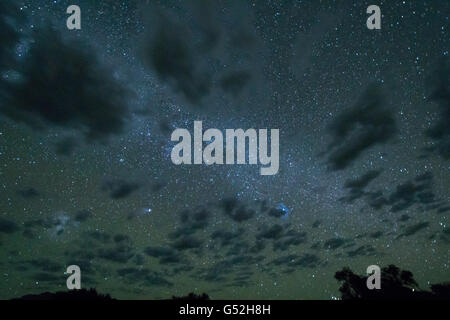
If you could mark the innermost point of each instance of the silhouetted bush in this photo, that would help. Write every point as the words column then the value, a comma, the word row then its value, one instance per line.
column 81, row 294
column 396, row 284
column 192, row 296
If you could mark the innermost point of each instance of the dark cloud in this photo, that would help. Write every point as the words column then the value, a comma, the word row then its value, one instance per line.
column 83, row 256
column 242, row 214
column 87, row 266
column 62, row 83
column 217, row 272
column 356, row 187
column 198, row 219
column 235, row 82
column 443, row 209
column 276, row 212
column 144, row 277
column 376, row 234
column 66, row 146
column 229, row 204
column 281, row 236
column 290, row 238
column 223, row 269
column 156, row 187
column 316, row 245
column 376, row 199
column 334, row 243
column 362, row 181
column 236, row 210
column 273, row 232
column 413, row 229
column 8, row 226
column 121, row 238
column 45, row 264
column 99, row 236
column 191, row 222
column 45, row 269
column 10, row 19
column 368, row 123
column 120, row 253
column 187, row 242
column 316, row 223
column 417, row 191
column 34, row 223
column 170, row 54
column 244, row 259
column 165, row 255
column 403, row 218
column 83, row 215
column 58, row 222
column 29, row 234
column 48, row 277
column 226, row 237
column 119, row 188
column 263, row 205
column 165, row 127
column 440, row 131
column 412, row 192
column 238, row 248
column 445, row 235
column 139, row 259
column 241, row 281
column 259, row 246
column 198, row 51
column 28, row 193
column 306, row 260
column 185, row 236
column 364, row 250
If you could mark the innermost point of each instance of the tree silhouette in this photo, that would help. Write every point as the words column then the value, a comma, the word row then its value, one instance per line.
column 192, row 296
column 396, row 284
column 81, row 294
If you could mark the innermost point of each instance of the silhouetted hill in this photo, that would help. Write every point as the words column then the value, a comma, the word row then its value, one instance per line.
column 396, row 284
column 81, row 294
column 92, row 294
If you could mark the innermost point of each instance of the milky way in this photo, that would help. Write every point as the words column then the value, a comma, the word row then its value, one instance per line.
column 86, row 117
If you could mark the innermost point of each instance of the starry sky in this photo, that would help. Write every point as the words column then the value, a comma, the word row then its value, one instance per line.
column 86, row 117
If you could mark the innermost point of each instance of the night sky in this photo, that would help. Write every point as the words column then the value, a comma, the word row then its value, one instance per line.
column 86, row 117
